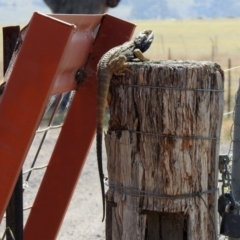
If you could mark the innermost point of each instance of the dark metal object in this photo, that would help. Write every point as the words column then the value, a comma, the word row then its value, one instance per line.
column 230, row 225
column 14, row 212
column 223, row 159
column 112, row 3
column 81, row 76
column 10, row 37
column 226, row 202
column 230, row 220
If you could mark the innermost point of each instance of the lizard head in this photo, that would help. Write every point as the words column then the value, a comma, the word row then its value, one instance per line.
column 144, row 40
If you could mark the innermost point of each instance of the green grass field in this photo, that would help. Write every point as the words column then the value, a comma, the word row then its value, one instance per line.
column 193, row 40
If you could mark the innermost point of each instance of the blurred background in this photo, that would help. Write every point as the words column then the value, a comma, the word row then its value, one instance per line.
column 190, row 29
column 19, row 11
column 204, row 30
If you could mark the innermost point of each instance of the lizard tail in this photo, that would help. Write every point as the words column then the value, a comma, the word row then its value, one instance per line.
column 103, row 86
column 100, row 170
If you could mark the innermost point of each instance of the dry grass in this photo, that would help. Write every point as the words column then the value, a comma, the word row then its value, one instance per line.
column 193, row 39
column 226, row 129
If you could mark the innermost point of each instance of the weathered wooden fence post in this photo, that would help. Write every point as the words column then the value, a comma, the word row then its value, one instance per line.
column 162, row 146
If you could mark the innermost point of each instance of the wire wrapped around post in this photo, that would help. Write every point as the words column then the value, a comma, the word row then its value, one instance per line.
column 162, row 147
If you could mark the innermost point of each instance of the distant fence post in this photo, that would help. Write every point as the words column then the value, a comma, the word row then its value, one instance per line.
column 162, row 42
column 162, row 147
column 169, row 54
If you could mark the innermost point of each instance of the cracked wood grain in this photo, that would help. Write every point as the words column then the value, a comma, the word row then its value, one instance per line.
column 157, row 141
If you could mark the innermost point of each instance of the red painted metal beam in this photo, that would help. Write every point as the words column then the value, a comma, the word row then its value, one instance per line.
column 74, row 141
column 41, row 65
column 24, row 99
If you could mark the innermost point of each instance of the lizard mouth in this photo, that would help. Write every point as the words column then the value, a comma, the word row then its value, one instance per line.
column 144, row 40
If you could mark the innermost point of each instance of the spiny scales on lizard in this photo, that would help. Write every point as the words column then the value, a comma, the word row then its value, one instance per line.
column 115, row 62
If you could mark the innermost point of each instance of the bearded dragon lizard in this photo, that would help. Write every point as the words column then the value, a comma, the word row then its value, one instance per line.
column 115, row 62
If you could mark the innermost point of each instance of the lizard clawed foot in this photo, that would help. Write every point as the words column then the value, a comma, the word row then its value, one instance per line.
column 139, row 55
column 118, row 65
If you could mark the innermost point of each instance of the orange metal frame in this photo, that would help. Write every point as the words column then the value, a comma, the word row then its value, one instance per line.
column 54, row 48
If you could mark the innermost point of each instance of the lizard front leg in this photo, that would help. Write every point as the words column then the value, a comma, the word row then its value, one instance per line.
column 118, row 65
column 139, row 55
